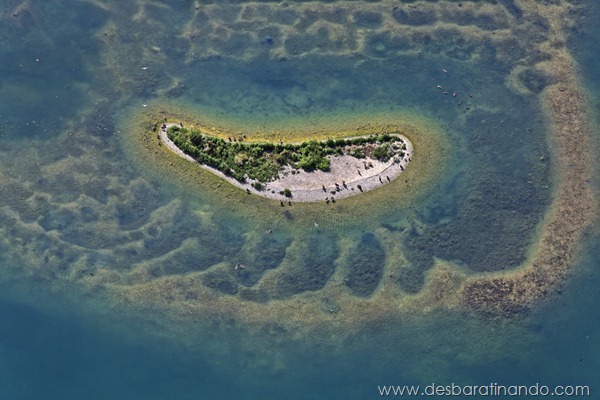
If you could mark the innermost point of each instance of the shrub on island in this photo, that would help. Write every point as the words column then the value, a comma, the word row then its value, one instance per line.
column 262, row 162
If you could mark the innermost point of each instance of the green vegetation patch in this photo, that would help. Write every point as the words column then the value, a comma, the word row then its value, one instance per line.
column 263, row 161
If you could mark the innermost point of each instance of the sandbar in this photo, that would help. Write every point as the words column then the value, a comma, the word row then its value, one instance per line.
column 348, row 175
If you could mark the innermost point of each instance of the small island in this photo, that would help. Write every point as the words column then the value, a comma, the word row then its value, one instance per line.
column 309, row 171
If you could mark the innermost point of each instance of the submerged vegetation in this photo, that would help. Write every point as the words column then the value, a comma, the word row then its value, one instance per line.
column 263, row 161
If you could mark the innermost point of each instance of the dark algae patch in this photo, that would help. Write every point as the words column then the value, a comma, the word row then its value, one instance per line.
column 263, row 255
column 365, row 266
column 315, row 266
column 264, row 161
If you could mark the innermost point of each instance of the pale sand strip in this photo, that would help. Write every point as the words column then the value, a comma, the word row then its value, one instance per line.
column 367, row 173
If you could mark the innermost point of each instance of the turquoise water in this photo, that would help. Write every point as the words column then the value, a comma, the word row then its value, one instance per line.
column 77, row 207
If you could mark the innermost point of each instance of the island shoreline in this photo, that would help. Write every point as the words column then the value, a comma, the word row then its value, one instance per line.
column 348, row 176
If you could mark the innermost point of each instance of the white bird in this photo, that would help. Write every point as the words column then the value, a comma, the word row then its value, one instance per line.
column 144, row 68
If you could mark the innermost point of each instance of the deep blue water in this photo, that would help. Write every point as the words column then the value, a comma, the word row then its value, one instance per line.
column 50, row 348
column 65, row 357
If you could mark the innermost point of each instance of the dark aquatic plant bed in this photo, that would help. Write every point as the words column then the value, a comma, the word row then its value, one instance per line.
column 263, row 161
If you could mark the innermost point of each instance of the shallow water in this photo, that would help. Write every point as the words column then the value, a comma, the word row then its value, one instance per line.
column 102, row 254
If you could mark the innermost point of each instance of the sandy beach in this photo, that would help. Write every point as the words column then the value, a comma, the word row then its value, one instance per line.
column 348, row 176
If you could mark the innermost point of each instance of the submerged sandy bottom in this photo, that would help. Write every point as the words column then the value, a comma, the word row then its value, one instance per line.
column 149, row 237
column 446, row 285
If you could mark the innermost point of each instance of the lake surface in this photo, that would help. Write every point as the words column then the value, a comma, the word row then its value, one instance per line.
column 117, row 261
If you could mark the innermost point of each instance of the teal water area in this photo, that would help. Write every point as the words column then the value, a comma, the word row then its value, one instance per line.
column 74, row 206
